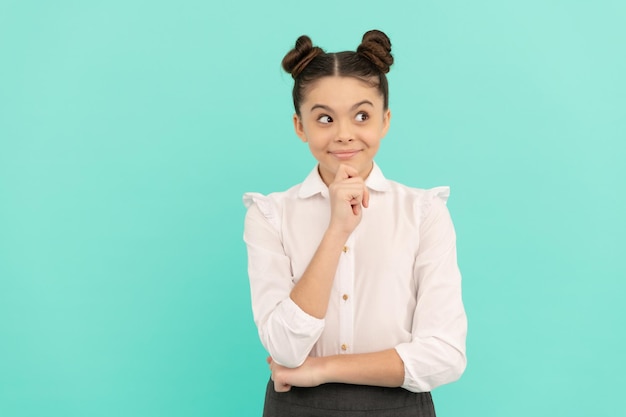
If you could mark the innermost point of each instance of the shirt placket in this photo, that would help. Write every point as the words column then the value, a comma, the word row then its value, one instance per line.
column 346, row 303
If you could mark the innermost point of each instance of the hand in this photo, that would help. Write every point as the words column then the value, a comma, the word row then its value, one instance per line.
column 309, row 374
column 348, row 195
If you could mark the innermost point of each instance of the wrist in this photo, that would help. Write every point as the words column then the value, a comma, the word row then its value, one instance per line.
column 336, row 234
column 323, row 370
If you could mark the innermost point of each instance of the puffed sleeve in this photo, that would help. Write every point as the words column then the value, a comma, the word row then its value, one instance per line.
column 285, row 330
column 436, row 354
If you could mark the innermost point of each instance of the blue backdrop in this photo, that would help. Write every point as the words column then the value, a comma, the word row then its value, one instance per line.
column 130, row 129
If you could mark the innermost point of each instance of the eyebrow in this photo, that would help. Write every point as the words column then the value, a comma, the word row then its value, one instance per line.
column 324, row 107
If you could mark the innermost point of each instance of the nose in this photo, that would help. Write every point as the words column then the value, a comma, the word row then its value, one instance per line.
column 344, row 133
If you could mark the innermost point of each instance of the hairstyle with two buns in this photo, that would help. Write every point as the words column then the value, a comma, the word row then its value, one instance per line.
column 371, row 61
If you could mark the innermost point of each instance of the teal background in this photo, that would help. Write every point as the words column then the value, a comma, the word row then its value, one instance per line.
column 130, row 129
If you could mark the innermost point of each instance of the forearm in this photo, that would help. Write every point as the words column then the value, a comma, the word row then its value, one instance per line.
column 384, row 368
column 312, row 291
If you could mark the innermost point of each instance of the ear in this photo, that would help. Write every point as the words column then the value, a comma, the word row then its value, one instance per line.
column 299, row 128
column 386, row 121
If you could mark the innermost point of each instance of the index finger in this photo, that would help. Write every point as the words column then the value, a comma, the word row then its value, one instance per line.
column 344, row 172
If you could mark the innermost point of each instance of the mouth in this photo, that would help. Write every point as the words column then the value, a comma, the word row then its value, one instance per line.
column 345, row 154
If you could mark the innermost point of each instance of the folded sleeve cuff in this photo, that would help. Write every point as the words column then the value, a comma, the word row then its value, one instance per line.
column 430, row 365
column 291, row 333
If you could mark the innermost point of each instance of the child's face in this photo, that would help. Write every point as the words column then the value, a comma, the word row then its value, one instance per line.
column 343, row 121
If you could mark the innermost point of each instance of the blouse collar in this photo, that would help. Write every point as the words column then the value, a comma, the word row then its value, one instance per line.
column 313, row 183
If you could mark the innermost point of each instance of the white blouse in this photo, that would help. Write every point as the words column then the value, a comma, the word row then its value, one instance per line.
column 397, row 283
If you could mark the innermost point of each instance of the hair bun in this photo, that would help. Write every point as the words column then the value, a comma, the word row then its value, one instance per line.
column 300, row 56
column 376, row 47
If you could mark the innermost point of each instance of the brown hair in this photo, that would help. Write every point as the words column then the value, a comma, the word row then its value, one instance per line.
column 371, row 61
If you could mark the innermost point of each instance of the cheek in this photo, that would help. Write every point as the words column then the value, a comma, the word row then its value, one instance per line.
column 373, row 137
column 316, row 146
column 320, row 137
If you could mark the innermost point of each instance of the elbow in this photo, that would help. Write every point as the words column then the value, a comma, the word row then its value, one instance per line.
column 452, row 365
column 289, row 334
column 287, row 348
column 450, row 369
column 430, row 365
column 286, row 354
column 456, row 366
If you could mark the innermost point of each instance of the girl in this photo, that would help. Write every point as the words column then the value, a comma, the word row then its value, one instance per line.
column 354, row 280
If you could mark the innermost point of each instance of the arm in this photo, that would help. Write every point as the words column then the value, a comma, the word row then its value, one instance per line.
column 290, row 318
column 436, row 354
column 286, row 332
column 347, row 195
column 384, row 369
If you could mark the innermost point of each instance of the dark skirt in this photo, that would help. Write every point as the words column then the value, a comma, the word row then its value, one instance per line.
column 341, row 400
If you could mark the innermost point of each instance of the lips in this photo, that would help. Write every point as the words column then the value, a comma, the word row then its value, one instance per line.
column 345, row 154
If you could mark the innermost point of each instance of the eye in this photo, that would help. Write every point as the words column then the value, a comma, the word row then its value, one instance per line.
column 325, row 119
column 362, row 116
